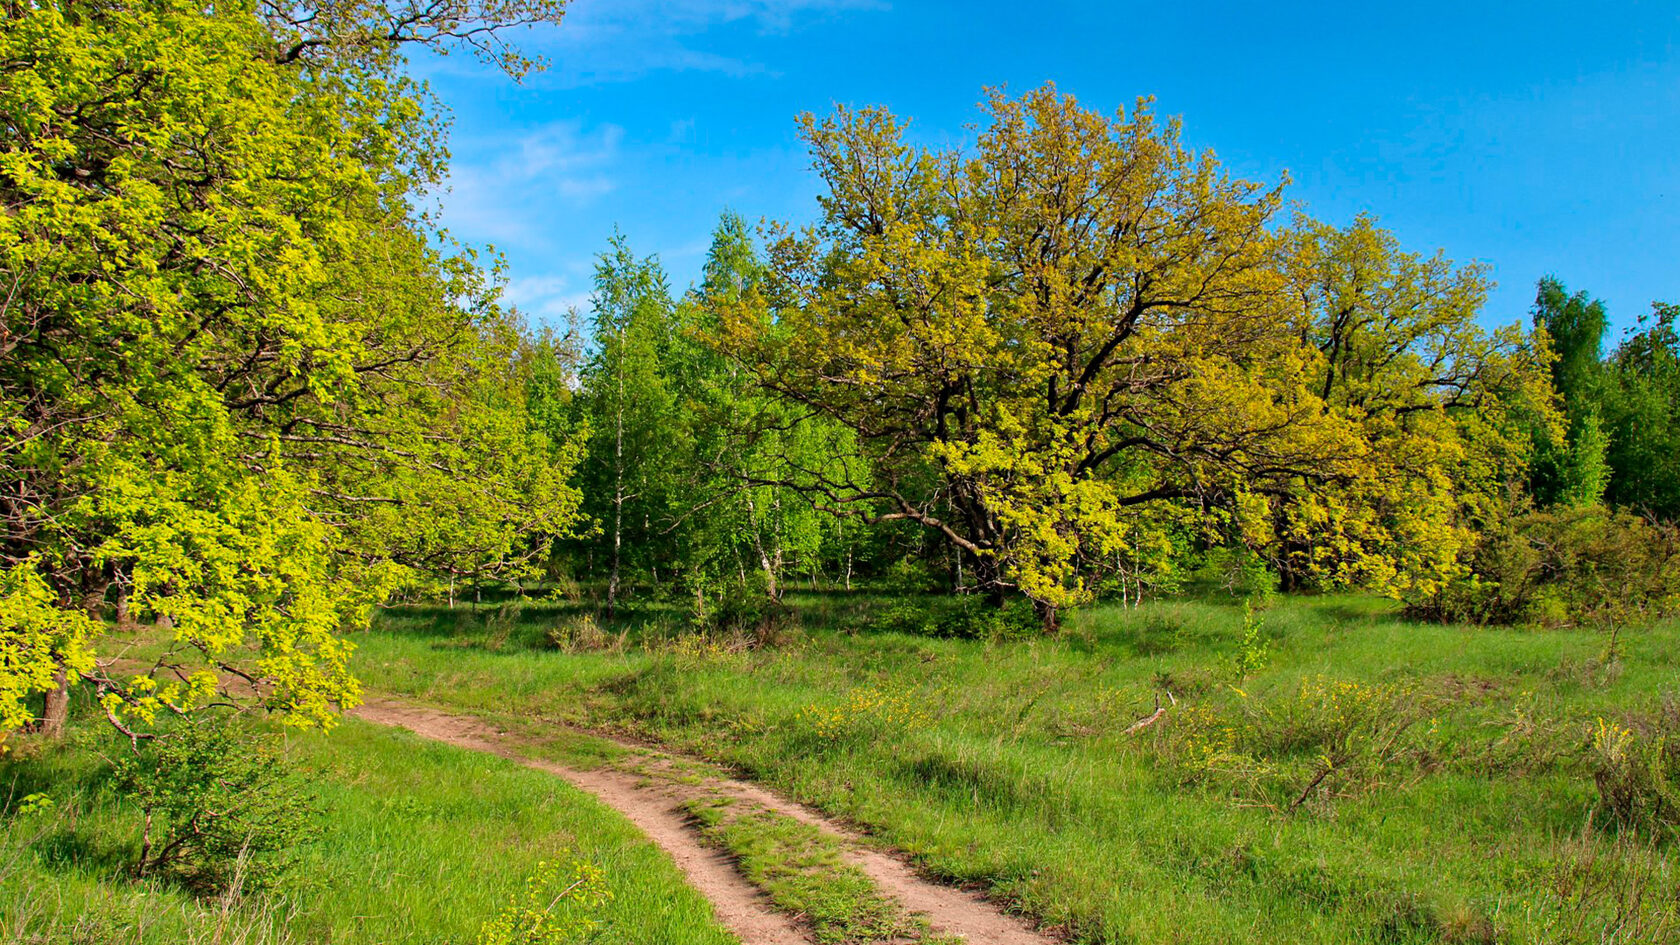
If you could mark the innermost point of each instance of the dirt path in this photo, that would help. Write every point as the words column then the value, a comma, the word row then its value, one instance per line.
column 654, row 805
column 739, row 905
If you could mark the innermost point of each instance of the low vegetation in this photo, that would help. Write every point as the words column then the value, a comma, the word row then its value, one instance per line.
column 1370, row 779
column 1057, row 505
column 413, row 843
column 804, row 873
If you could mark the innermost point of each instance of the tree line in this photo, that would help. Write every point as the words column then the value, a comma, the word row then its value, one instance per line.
column 1079, row 360
column 249, row 391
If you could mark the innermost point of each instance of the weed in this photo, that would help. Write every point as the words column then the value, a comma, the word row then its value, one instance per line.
column 583, row 634
column 1606, row 892
column 1637, row 773
column 560, row 904
column 865, row 713
column 1327, row 739
column 1252, row 648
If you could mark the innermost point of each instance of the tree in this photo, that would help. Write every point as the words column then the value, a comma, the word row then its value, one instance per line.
column 1035, row 340
column 748, row 443
column 638, row 433
column 1444, row 410
column 1642, row 417
column 1569, row 468
column 231, row 356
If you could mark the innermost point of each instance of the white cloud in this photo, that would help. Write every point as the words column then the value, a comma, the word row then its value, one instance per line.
column 692, row 16
column 619, row 40
column 510, row 199
column 547, row 299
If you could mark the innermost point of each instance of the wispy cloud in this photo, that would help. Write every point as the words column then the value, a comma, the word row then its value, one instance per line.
column 548, row 299
column 511, row 199
column 691, row 16
column 604, row 41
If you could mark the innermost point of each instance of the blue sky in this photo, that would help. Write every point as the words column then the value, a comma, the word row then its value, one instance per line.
column 1538, row 138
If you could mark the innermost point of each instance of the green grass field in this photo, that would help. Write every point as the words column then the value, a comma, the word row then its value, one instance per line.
column 421, row 843
column 1371, row 779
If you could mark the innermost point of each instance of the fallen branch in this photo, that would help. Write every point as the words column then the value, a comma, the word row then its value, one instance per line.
column 1323, row 772
column 1155, row 716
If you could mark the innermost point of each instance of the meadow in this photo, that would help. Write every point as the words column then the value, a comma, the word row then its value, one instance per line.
column 417, row 843
column 1322, row 770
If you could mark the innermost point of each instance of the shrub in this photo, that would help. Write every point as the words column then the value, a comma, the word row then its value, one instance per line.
column 1637, row 772
column 562, row 585
column 1252, row 649
column 220, row 807
column 1324, row 740
column 966, row 617
column 1237, row 571
column 914, row 575
column 747, row 614
column 558, row 905
column 1563, row 567
column 1602, row 892
column 583, row 634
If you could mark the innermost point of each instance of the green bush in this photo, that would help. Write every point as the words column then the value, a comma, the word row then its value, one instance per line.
column 966, row 617
column 747, row 613
column 1565, row 567
column 220, row 808
column 1237, row 571
column 1285, row 750
column 583, row 634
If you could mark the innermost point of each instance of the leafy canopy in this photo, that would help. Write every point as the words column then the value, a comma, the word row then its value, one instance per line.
column 1064, row 345
column 239, row 379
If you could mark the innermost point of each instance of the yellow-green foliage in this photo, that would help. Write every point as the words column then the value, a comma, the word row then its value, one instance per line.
column 867, row 712
column 1079, row 341
column 238, row 377
column 1564, row 567
column 1441, row 407
column 37, row 640
column 558, row 906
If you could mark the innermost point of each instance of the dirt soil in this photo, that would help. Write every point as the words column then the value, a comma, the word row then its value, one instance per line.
column 633, row 786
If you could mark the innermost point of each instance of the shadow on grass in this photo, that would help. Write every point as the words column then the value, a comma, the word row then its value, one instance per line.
column 523, row 626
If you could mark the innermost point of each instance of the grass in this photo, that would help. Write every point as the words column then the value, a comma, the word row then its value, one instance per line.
column 422, row 843
column 804, row 873
column 1368, row 779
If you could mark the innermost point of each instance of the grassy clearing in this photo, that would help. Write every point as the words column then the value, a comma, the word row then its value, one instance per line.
column 1368, row 778
column 422, row 843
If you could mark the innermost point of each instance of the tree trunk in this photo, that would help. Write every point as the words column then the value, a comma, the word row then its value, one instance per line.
column 1049, row 617
column 988, row 580
column 55, row 708
column 618, row 498
column 764, row 562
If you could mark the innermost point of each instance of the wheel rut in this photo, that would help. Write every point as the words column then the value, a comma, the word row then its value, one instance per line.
column 654, row 804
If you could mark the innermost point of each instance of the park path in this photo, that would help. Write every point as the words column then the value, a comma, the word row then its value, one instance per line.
column 654, row 805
